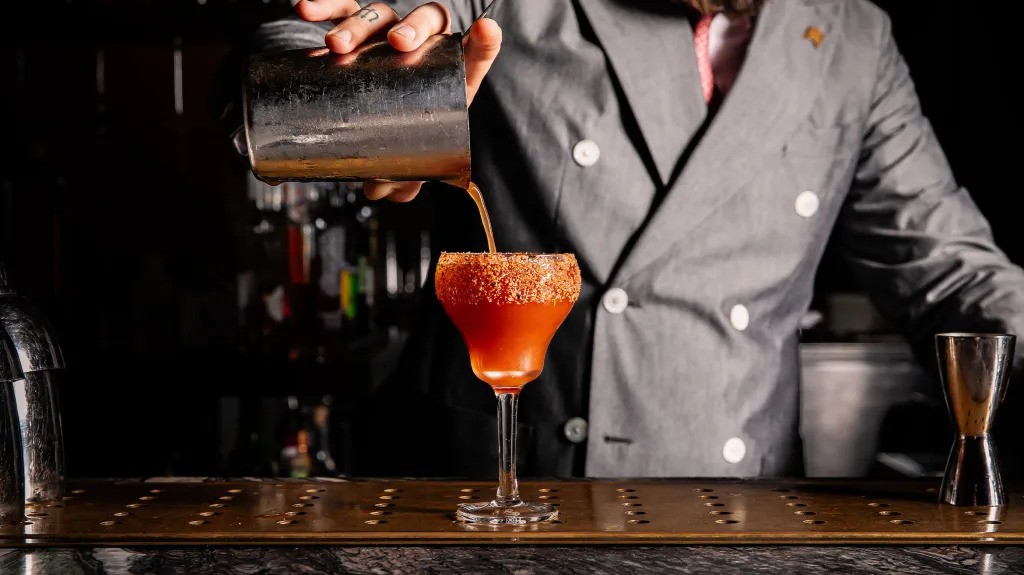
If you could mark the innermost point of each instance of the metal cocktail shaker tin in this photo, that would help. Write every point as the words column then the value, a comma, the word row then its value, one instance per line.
column 376, row 114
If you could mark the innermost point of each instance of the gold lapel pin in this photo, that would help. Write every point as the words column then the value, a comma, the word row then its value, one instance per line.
column 815, row 35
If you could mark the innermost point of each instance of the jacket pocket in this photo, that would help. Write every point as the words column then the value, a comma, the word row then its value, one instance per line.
column 814, row 141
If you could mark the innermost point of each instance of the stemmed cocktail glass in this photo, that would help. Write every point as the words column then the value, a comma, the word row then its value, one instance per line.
column 507, row 307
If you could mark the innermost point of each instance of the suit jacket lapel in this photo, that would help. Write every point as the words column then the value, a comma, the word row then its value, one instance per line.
column 652, row 53
column 774, row 91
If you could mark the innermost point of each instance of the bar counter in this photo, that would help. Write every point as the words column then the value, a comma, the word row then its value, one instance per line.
column 250, row 525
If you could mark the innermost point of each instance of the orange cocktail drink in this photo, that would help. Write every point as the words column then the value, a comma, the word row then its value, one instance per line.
column 507, row 342
column 507, row 306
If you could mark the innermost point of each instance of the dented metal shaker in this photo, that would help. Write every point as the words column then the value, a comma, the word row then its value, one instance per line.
column 376, row 114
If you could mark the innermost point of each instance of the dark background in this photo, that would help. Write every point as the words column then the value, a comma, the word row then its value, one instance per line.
column 125, row 216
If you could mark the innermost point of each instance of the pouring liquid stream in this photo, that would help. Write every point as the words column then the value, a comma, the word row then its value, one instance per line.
column 478, row 199
column 473, row 189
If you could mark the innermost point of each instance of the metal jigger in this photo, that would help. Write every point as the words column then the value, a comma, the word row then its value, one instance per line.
column 975, row 372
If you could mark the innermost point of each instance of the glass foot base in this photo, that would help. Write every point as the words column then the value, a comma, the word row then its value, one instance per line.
column 494, row 513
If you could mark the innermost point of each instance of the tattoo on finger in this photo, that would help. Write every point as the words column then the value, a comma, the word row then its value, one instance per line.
column 369, row 14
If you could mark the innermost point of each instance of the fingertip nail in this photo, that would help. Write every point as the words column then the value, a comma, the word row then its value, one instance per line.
column 343, row 36
column 405, row 31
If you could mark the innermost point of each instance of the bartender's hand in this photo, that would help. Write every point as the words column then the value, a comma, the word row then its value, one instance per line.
column 354, row 25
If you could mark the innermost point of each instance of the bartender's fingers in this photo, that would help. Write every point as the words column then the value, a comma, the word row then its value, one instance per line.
column 420, row 24
column 394, row 191
column 412, row 59
column 355, row 29
column 405, row 192
column 481, row 46
column 321, row 10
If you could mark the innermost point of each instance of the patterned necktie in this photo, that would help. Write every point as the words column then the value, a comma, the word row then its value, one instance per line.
column 701, row 40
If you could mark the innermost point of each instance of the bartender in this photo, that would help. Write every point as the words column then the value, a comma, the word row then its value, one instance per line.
column 696, row 156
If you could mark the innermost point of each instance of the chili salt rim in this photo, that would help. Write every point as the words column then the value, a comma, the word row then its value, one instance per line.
column 506, row 278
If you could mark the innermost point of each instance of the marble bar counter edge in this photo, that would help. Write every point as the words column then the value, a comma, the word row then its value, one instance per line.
column 526, row 560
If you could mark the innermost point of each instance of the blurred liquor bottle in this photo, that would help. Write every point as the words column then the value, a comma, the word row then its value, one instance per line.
column 323, row 461
column 301, row 464
column 294, row 439
column 301, row 317
column 305, row 439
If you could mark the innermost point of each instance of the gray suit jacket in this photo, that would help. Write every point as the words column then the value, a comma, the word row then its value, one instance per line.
column 712, row 230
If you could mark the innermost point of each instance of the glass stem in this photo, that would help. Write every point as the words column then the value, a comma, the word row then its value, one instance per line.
column 508, row 486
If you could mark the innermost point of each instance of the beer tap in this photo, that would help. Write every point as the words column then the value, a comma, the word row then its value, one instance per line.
column 40, row 360
column 12, row 488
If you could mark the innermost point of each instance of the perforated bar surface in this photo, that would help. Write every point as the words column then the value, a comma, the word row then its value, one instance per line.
column 627, row 511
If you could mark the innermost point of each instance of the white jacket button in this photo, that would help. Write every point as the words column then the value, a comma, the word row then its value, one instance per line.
column 739, row 317
column 586, row 153
column 807, row 204
column 615, row 300
column 575, row 430
column 734, row 450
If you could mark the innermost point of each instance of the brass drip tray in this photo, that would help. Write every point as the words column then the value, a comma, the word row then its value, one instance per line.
column 627, row 511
